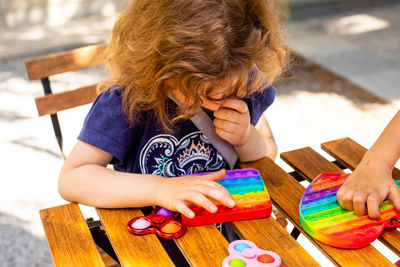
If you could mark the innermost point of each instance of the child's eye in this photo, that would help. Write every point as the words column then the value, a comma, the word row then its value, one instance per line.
column 216, row 97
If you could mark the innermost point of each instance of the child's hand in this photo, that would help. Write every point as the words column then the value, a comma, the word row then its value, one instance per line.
column 177, row 193
column 232, row 121
column 366, row 188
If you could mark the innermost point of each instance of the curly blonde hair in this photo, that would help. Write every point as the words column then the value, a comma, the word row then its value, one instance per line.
column 198, row 44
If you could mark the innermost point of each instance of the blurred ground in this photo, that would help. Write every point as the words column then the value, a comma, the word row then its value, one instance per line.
column 311, row 107
column 360, row 46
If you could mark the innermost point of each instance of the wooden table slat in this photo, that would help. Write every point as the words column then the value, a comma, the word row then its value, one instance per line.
column 132, row 250
column 64, row 225
column 203, row 246
column 367, row 256
column 286, row 193
column 268, row 234
column 306, row 163
column 350, row 153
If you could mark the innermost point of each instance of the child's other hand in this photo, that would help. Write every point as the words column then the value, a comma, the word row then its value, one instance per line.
column 177, row 193
column 232, row 121
column 366, row 188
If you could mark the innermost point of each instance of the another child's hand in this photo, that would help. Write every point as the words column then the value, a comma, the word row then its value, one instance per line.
column 366, row 188
column 178, row 193
column 232, row 121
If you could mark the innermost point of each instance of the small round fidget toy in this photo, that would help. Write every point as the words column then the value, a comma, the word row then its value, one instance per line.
column 161, row 222
column 323, row 218
column 244, row 253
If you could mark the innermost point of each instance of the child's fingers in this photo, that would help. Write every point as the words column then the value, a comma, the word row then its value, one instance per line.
column 394, row 196
column 218, row 187
column 182, row 208
column 359, row 202
column 214, row 190
column 339, row 197
column 226, row 114
column 373, row 201
column 347, row 200
column 235, row 104
column 218, row 193
column 225, row 135
column 214, row 176
column 201, row 200
column 227, row 126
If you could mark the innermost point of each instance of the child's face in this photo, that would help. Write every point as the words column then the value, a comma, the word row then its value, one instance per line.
column 212, row 101
column 215, row 99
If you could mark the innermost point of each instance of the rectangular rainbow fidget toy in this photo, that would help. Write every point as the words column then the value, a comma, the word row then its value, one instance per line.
column 249, row 193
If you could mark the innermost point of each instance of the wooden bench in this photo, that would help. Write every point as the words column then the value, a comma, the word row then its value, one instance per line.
column 71, row 244
column 44, row 67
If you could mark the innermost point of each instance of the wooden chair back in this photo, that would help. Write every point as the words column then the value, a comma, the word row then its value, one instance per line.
column 44, row 67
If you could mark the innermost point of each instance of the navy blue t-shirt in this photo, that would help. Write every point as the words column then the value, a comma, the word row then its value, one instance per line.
column 146, row 148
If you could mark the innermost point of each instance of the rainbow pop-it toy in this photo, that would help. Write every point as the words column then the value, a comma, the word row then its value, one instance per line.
column 249, row 193
column 323, row 218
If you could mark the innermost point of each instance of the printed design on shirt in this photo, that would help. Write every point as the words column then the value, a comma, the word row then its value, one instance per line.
column 167, row 156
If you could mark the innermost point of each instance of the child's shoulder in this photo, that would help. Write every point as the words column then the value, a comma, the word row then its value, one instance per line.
column 111, row 95
column 107, row 105
column 259, row 101
column 264, row 97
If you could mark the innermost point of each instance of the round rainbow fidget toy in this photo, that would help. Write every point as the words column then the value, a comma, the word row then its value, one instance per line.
column 323, row 218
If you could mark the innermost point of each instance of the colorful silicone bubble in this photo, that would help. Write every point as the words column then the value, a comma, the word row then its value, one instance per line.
column 161, row 222
column 249, row 193
column 246, row 253
column 323, row 218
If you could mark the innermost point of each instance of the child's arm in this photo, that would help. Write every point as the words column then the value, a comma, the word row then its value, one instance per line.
column 84, row 178
column 372, row 182
column 232, row 122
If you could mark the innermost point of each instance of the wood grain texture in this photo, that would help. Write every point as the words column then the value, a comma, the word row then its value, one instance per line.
column 132, row 250
column 203, row 246
column 268, row 234
column 80, row 58
column 349, row 153
column 68, row 237
column 314, row 165
column 286, row 194
column 306, row 163
column 52, row 103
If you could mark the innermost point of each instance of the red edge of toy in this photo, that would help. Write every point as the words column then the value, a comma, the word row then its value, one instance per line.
column 219, row 218
column 153, row 230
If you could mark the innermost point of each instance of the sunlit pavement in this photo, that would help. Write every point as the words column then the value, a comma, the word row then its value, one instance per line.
column 363, row 47
column 304, row 113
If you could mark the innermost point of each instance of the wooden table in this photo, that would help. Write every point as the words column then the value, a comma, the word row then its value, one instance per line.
column 71, row 243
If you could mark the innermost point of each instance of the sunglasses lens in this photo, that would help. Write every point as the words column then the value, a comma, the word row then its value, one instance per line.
column 170, row 228
column 140, row 224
